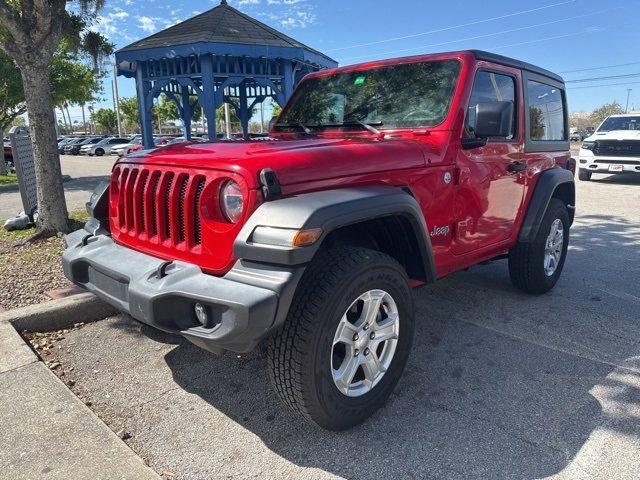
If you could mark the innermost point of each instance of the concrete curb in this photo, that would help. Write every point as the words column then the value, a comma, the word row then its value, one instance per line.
column 58, row 314
column 46, row 430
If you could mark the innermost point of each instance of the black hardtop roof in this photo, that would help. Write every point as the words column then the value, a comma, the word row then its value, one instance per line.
column 512, row 62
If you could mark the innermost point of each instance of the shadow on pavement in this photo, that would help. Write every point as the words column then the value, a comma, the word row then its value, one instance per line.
column 499, row 384
column 84, row 183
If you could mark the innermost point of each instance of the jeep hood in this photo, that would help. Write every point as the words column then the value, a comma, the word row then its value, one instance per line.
column 294, row 161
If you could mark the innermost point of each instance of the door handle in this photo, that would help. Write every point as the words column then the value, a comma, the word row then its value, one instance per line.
column 517, row 167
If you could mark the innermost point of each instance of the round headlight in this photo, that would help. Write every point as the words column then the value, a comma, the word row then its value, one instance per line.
column 231, row 201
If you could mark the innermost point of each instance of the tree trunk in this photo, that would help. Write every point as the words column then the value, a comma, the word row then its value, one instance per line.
column 84, row 121
column 52, row 207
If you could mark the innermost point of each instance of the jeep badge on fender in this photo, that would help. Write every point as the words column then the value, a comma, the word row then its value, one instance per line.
column 384, row 176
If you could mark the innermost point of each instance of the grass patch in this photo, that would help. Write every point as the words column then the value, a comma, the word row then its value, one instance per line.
column 9, row 179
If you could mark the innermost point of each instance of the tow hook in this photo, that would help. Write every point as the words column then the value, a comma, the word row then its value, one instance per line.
column 161, row 271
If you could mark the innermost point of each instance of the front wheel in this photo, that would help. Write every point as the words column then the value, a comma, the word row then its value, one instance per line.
column 584, row 175
column 99, row 152
column 536, row 267
column 346, row 339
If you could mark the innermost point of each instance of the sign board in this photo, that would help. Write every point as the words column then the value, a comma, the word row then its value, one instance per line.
column 22, row 151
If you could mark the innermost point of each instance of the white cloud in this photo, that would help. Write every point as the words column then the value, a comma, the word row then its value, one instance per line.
column 147, row 24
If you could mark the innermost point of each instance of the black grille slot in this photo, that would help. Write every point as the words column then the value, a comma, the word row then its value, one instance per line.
column 181, row 201
column 154, row 205
column 140, row 206
column 167, row 208
column 197, row 234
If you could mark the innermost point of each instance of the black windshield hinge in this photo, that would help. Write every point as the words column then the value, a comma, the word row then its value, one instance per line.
column 270, row 184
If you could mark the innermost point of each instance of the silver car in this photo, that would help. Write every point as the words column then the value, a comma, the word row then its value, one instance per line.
column 103, row 147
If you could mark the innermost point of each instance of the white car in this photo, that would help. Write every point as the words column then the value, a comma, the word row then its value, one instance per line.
column 613, row 148
column 125, row 148
column 103, row 147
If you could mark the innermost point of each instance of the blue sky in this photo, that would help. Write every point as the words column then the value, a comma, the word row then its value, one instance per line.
column 571, row 37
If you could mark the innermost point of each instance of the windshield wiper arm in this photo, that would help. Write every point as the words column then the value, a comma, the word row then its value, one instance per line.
column 366, row 126
column 306, row 129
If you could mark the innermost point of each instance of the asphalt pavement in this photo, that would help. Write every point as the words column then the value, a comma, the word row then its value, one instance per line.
column 85, row 172
column 499, row 385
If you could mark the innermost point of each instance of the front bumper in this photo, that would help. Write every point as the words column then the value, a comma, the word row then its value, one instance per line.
column 242, row 307
column 598, row 164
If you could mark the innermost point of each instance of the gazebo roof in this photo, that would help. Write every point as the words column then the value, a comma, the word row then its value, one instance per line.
column 220, row 25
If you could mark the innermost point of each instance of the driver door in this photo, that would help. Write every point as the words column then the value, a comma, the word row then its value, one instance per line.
column 492, row 177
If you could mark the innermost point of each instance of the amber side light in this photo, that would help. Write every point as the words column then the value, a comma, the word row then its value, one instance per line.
column 306, row 237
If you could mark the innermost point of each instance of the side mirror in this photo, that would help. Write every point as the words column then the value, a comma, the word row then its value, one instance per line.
column 272, row 122
column 493, row 119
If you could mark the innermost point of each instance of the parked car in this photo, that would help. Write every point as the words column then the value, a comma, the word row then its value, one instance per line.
column 74, row 147
column 103, row 147
column 8, row 153
column 313, row 243
column 613, row 148
column 65, row 147
column 125, row 148
column 575, row 137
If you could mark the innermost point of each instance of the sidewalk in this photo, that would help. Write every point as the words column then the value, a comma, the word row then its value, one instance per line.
column 46, row 431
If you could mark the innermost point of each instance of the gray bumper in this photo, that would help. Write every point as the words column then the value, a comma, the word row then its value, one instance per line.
column 243, row 306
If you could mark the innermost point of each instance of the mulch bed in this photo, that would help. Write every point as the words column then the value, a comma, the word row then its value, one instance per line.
column 29, row 271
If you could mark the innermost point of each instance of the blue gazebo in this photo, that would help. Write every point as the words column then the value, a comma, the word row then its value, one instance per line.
column 220, row 56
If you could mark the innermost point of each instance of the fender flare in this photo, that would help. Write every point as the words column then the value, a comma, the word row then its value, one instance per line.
column 330, row 210
column 547, row 184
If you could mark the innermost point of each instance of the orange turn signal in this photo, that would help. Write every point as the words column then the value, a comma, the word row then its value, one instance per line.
column 306, row 237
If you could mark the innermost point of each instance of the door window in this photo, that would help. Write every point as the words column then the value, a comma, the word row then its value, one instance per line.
column 491, row 87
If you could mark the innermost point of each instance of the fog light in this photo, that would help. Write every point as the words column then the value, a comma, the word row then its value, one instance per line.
column 201, row 314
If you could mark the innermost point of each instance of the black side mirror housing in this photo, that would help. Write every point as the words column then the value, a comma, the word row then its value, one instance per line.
column 494, row 119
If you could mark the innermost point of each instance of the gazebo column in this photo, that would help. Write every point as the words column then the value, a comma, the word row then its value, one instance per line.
column 208, row 94
column 244, row 111
column 187, row 112
column 287, row 79
column 142, row 90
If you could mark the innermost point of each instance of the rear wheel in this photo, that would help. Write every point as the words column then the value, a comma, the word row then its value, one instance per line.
column 584, row 175
column 346, row 339
column 535, row 267
column 99, row 152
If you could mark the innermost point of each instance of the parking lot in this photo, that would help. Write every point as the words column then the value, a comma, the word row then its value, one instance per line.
column 85, row 172
column 499, row 384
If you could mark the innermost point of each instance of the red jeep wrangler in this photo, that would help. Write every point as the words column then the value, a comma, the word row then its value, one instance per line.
column 380, row 178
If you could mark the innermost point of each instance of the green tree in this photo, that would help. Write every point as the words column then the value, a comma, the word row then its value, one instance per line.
column 129, row 113
column 11, row 93
column 599, row 114
column 30, row 33
column 106, row 119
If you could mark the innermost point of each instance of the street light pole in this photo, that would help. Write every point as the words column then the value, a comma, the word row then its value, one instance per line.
column 626, row 108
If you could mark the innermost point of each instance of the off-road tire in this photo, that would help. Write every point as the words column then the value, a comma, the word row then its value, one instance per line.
column 584, row 175
column 299, row 354
column 526, row 260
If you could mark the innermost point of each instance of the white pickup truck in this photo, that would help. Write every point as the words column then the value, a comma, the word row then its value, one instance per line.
column 613, row 148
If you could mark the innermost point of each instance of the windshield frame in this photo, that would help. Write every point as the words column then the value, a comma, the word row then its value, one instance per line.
column 284, row 128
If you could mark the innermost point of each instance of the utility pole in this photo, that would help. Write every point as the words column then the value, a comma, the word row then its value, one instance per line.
column 626, row 108
column 116, row 98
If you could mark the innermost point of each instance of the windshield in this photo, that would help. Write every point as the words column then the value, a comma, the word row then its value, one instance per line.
column 620, row 123
column 398, row 96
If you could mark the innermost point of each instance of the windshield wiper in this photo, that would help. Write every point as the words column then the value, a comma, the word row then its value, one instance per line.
column 304, row 128
column 367, row 126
